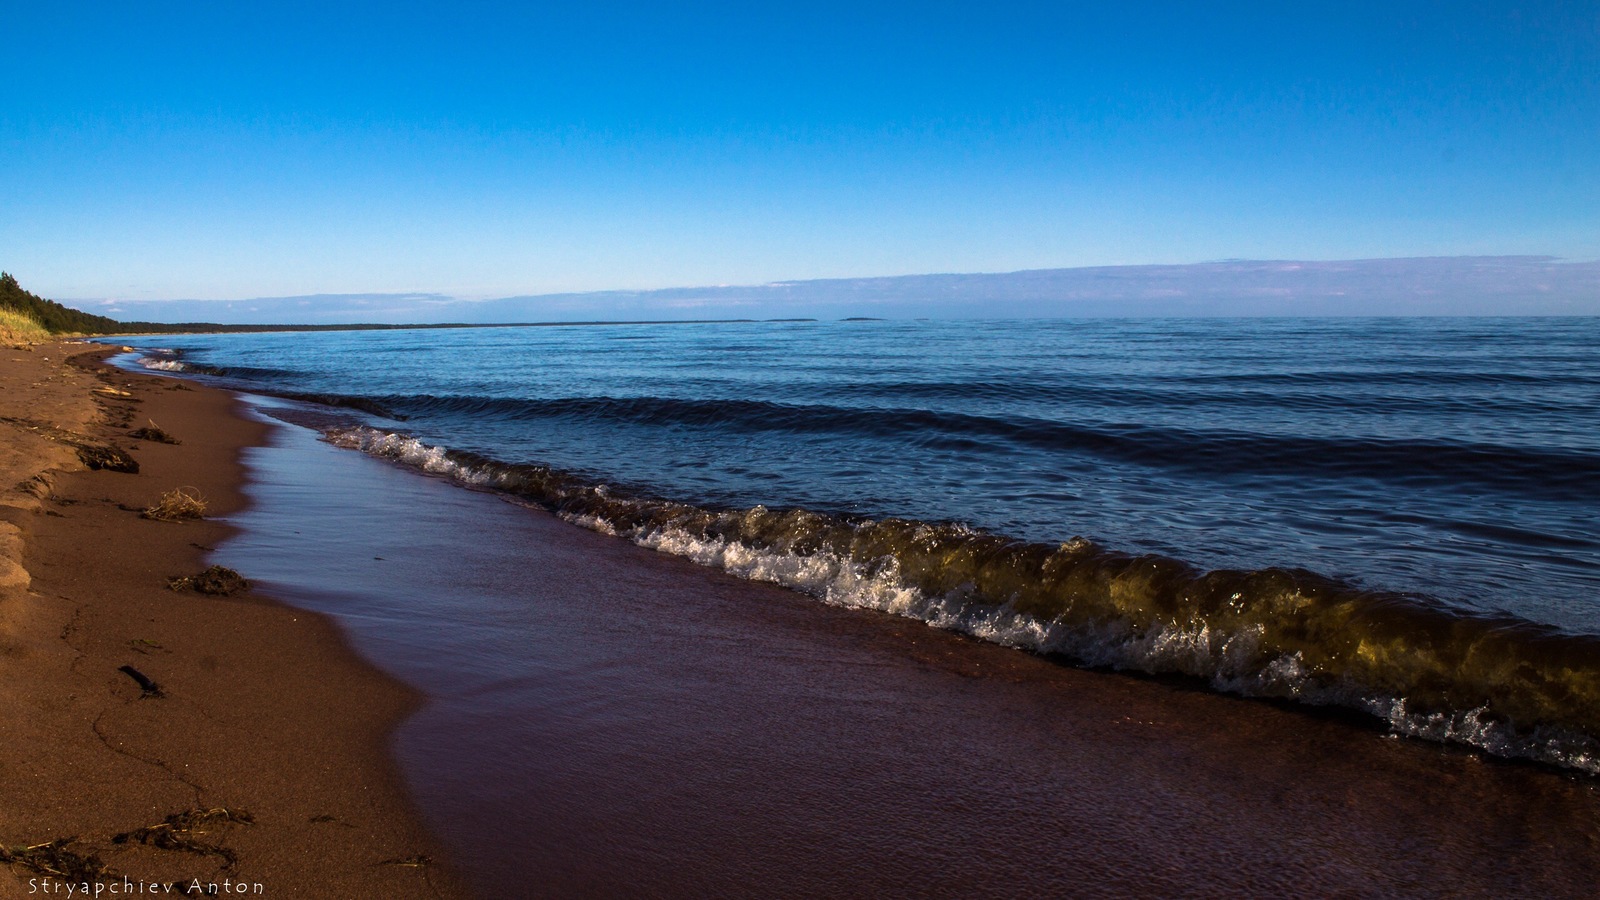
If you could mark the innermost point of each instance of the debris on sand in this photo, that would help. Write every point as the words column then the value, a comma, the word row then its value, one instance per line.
column 176, row 505
column 154, row 432
column 217, row 580
column 180, row 831
column 150, row 688
column 109, row 457
column 54, row 859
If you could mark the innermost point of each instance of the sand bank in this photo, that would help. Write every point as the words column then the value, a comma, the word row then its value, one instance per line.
column 266, row 738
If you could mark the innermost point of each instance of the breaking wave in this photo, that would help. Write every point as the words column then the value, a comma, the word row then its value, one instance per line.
column 1508, row 686
column 161, row 359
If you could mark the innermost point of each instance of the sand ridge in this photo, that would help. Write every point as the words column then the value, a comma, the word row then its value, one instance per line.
column 175, row 737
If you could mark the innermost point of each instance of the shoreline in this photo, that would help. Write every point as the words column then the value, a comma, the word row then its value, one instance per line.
column 1432, row 572
column 611, row 720
column 262, row 756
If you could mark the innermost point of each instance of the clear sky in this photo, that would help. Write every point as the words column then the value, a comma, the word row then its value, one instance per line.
column 213, row 150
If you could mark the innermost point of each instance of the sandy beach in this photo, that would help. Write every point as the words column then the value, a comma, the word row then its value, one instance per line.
column 258, row 758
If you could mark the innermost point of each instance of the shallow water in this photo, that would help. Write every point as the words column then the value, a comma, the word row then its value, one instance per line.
column 604, row 720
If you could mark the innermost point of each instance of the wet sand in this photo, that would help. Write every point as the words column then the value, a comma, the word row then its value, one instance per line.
column 607, row 721
column 267, row 724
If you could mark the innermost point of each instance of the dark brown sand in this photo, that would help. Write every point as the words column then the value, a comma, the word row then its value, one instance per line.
column 266, row 719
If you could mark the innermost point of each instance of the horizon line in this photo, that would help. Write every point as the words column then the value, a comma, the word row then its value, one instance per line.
column 438, row 296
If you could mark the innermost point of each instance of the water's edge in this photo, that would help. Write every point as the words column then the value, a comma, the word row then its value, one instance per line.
column 1508, row 687
column 1419, row 665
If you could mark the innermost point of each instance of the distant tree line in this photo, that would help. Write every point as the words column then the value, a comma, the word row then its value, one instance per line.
column 58, row 319
column 52, row 316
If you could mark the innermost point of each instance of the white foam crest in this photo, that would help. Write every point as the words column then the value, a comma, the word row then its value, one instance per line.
column 594, row 523
column 434, row 460
column 839, row 581
column 1482, row 729
column 162, row 365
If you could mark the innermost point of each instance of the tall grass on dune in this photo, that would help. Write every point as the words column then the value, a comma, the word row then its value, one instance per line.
column 49, row 315
column 19, row 328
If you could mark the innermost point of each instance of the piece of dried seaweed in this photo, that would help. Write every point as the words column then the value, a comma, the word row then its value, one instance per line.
column 154, row 432
column 217, row 580
column 53, row 858
column 180, row 831
column 109, row 457
column 150, row 688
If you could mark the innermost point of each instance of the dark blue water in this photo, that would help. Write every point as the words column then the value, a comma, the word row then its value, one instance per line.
column 1423, row 484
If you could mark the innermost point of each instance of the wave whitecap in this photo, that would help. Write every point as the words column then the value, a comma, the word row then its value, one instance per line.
column 162, row 360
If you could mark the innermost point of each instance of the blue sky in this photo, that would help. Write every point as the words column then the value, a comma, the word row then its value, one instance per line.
column 162, row 150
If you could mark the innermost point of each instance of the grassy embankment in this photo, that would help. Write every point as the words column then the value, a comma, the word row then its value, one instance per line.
column 27, row 318
column 18, row 328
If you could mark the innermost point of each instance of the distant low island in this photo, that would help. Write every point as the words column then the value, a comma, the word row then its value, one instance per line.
column 26, row 316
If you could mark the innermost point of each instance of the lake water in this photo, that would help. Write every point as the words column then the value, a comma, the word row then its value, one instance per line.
column 1392, row 515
